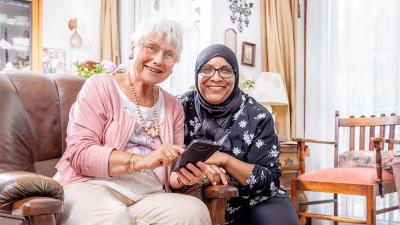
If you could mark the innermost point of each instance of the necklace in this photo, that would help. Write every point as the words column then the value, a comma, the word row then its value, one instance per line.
column 153, row 131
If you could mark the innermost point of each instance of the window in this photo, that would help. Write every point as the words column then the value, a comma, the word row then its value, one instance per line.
column 353, row 61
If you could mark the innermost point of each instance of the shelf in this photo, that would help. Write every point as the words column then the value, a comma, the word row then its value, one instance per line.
column 15, row 25
column 21, row 19
column 17, row 50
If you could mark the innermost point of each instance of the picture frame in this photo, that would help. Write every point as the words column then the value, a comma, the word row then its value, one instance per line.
column 248, row 53
column 54, row 61
column 231, row 39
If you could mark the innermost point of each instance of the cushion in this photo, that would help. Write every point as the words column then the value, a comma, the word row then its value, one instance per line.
column 345, row 175
column 365, row 158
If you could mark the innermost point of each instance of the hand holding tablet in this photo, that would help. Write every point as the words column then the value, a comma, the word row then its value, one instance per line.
column 197, row 150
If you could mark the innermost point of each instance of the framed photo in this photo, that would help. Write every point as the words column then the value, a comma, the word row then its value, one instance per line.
column 53, row 61
column 248, row 54
column 231, row 39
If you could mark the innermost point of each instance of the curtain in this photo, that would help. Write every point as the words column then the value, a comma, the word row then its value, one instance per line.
column 109, row 36
column 278, row 29
column 187, row 14
column 353, row 65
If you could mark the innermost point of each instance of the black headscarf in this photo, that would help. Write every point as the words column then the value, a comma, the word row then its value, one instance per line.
column 224, row 111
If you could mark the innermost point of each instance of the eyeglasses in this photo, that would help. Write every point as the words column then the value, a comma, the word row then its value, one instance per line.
column 224, row 72
column 153, row 49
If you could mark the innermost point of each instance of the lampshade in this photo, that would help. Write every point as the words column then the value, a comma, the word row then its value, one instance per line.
column 269, row 88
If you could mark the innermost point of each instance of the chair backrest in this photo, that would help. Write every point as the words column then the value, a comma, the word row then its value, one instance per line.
column 373, row 125
column 34, row 111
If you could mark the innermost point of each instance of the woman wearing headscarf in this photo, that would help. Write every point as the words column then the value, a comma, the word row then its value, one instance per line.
column 217, row 110
column 124, row 131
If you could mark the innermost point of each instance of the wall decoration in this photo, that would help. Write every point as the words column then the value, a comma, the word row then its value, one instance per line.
column 75, row 41
column 231, row 39
column 240, row 11
column 248, row 53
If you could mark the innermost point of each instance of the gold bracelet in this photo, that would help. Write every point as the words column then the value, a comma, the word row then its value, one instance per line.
column 133, row 163
column 127, row 162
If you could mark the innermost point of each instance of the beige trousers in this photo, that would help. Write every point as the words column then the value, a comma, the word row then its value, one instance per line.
column 92, row 204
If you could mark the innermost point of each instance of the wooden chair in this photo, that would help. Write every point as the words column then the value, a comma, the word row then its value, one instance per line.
column 368, row 182
column 34, row 111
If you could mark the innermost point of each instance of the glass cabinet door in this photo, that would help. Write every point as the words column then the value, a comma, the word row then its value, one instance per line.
column 15, row 35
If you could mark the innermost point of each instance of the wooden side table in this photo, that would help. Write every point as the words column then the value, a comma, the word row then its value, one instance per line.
column 290, row 164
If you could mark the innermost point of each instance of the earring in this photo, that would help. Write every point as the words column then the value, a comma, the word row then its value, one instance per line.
column 131, row 55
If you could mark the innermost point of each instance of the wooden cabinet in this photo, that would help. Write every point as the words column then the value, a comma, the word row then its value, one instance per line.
column 290, row 163
column 20, row 35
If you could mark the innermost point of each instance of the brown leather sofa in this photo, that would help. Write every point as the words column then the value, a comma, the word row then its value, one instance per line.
column 34, row 112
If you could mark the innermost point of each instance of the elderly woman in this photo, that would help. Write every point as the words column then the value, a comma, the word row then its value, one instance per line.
column 219, row 110
column 123, row 133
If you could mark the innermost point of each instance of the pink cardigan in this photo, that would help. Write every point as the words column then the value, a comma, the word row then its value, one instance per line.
column 98, row 123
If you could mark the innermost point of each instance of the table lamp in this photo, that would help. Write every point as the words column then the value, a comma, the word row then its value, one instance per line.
column 269, row 89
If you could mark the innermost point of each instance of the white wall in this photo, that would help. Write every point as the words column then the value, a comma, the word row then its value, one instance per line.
column 215, row 19
column 56, row 34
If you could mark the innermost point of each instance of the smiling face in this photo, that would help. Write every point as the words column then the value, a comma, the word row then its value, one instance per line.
column 152, row 60
column 215, row 89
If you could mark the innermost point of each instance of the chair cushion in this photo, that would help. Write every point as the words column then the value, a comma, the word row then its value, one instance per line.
column 365, row 158
column 345, row 175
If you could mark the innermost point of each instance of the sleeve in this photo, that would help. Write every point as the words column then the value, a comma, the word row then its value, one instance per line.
column 87, row 120
column 264, row 152
column 179, row 124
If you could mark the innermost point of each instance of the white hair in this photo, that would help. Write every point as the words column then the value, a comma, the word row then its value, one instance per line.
column 164, row 29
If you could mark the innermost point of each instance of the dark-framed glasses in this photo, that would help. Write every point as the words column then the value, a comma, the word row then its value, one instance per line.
column 153, row 49
column 224, row 72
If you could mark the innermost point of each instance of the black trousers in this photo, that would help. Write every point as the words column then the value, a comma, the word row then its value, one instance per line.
column 273, row 211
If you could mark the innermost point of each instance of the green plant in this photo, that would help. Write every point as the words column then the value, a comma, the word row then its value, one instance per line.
column 248, row 84
column 88, row 68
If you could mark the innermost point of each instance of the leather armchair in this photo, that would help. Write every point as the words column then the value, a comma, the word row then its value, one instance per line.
column 34, row 111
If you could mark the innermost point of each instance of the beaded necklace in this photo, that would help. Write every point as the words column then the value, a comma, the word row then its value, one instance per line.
column 153, row 131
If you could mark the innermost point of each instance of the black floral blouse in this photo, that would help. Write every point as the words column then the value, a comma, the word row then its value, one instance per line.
column 254, row 140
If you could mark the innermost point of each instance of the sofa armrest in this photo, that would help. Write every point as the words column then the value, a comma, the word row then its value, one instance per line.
column 216, row 198
column 220, row 191
column 34, row 206
column 20, row 186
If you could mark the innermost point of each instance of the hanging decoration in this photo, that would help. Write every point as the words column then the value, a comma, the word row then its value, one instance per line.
column 75, row 41
column 240, row 11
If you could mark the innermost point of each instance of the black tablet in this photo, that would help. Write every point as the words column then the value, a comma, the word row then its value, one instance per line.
column 197, row 150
